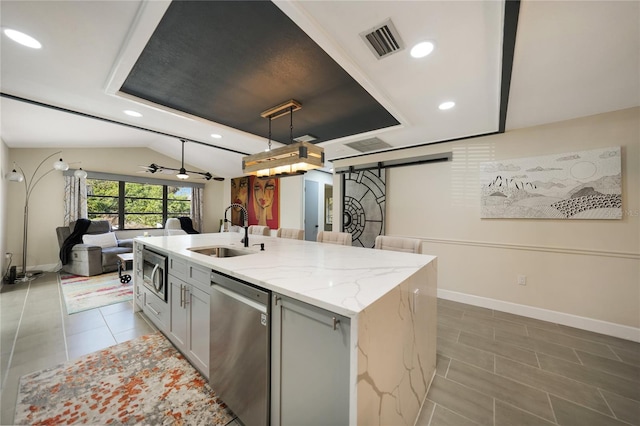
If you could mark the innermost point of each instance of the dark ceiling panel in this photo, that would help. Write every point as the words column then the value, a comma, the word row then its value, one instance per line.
column 227, row 61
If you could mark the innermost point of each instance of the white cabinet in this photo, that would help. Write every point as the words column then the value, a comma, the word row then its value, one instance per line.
column 156, row 309
column 189, row 287
column 309, row 365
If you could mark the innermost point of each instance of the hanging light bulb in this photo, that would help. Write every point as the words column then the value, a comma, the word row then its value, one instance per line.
column 182, row 174
column 80, row 174
column 60, row 165
column 14, row 176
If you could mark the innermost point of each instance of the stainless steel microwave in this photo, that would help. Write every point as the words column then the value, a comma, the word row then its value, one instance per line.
column 154, row 269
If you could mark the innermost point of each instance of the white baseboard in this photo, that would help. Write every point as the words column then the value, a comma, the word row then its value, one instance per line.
column 49, row 267
column 594, row 325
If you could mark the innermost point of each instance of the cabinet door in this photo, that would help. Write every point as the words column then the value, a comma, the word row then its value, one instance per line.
column 198, row 337
column 178, row 322
column 137, row 277
column 310, row 376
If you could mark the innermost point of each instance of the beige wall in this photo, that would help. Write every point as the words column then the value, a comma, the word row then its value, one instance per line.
column 584, row 268
column 5, row 167
column 46, row 207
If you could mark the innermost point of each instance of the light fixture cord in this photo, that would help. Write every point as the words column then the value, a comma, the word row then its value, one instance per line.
column 291, row 125
column 270, row 133
column 182, row 140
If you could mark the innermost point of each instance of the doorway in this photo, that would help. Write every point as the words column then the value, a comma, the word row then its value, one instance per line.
column 310, row 210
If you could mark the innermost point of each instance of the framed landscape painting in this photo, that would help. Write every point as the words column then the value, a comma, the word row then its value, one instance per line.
column 575, row 185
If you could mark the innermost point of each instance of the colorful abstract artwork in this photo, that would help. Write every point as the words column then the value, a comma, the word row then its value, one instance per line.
column 261, row 198
column 239, row 195
column 363, row 206
column 575, row 185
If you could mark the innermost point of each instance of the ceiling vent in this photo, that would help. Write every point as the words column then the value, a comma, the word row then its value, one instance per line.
column 383, row 40
column 368, row 145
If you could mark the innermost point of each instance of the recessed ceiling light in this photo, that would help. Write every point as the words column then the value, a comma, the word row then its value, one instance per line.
column 132, row 113
column 216, row 136
column 447, row 105
column 422, row 49
column 22, row 38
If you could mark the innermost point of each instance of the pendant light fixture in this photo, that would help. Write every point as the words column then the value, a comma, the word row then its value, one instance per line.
column 182, row 174
column 293, row 159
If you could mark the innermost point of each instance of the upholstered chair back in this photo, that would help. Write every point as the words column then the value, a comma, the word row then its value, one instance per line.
column 259, row 230
column 403, row 244
column 291, row 233
column 340, row 238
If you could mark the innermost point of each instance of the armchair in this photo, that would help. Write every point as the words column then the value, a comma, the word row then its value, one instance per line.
column 90, row 259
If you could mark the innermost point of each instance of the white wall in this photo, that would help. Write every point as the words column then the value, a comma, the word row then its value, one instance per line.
column 46, row 208
column 5, row 167
column 291, row 202
column 587, row 269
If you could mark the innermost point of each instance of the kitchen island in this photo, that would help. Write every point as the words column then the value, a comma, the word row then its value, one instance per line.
column 383, row 302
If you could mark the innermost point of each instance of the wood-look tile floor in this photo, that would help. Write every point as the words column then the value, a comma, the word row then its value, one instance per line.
column 493, row 368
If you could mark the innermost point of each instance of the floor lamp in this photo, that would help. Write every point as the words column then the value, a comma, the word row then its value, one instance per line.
column 29, row 184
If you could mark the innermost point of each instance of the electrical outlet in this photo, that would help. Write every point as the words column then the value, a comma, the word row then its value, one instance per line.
column 522, row 279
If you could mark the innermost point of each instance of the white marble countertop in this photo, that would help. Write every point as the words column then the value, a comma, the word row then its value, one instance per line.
column 341, row 279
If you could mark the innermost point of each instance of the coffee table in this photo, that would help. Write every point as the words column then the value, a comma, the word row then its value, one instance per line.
column 125, row 261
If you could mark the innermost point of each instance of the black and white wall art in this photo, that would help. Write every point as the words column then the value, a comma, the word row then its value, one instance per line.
column 574, row 185
column 363, row 206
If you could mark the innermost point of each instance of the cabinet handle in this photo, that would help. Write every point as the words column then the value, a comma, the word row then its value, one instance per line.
column 153, row 310
column 181, row 295
column 336, row 321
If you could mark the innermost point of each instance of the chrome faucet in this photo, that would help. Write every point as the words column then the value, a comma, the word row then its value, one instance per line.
column 245, row 215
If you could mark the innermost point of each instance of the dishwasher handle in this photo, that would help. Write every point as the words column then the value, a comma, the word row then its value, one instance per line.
column 252, row 303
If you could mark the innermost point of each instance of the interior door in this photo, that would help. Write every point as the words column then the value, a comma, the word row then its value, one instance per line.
column 310, row 210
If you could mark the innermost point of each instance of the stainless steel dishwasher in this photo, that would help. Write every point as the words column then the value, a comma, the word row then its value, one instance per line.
column 239, row 367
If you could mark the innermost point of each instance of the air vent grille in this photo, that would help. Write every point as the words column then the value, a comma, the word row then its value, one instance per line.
column 368, row 145
column 383, row 40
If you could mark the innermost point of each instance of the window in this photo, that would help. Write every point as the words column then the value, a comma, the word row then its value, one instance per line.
column 132, row 205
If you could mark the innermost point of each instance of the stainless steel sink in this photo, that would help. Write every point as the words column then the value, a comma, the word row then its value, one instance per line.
column 220, row 251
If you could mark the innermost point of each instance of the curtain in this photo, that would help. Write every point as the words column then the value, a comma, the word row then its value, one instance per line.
column 75, row 199
column 196, row 208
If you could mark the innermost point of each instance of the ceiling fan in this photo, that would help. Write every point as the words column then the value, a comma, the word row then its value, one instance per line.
column 182, row 172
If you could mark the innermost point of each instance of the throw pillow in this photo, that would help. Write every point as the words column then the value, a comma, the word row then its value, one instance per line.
column 105, row 240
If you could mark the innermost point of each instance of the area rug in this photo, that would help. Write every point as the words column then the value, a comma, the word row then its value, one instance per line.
column 142, row 381
column 83, row 293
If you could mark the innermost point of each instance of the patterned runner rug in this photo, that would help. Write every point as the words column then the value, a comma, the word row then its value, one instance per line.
column 142, row 381
column 83, row 293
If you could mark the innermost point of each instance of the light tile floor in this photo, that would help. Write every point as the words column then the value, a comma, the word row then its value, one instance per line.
column 493, row 368
column 37, row 332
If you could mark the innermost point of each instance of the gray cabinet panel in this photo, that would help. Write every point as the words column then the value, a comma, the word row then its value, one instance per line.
column 310, row 365
column 179, row 325
column 190, row 314
column 198, row 339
